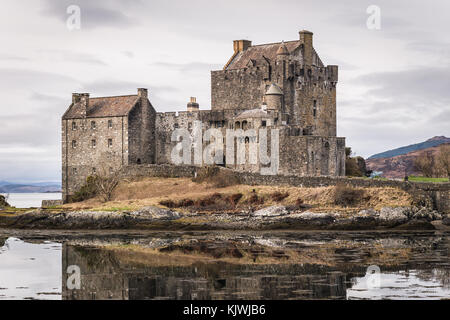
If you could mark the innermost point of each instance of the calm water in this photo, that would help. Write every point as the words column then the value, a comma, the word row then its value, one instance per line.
column 31, row 200
column 205, row 266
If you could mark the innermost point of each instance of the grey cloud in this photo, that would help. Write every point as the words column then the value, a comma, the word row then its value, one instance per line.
column 29, row 79
column 71, row 56
column 128, row 54
column 157, row 94
column 426, row 84
column 7, row 57
column 197, row 67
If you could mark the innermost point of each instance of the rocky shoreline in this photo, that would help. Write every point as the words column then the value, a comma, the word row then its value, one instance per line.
column 269, row 218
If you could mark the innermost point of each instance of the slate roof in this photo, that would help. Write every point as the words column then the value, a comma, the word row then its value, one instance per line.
column 104, row 107
column 257, row 52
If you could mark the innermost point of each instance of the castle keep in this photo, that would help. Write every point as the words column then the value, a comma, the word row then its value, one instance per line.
column 283, row 86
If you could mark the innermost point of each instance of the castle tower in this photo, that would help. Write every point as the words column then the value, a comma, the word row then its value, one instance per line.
column 274, row 97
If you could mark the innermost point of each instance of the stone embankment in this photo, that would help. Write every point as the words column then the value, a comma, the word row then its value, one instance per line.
column 275, row 217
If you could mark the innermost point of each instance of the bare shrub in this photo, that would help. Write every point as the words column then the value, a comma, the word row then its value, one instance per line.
column 235, row 198
column 425, row 164
column 168, row 203
column 254, row 199
column 299, row 202
column 443, row 159
column 347, row 196
column 185, row 203
column 106, row 181
column 278, row 196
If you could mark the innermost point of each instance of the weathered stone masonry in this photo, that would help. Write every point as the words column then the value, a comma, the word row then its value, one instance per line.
column 283, row 86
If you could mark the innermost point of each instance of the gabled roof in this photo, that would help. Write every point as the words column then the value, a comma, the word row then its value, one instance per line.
column 258, row 52
column 104, row 107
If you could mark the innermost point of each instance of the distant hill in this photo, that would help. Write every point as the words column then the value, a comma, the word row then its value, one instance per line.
column 395, row 167
column 433, row 142
column 40, row 187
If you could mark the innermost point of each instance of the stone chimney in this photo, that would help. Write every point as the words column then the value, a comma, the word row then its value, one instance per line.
column 306, row 39
column 143, row 93
column 193, row 105
column 241, row 45
column 83, row 100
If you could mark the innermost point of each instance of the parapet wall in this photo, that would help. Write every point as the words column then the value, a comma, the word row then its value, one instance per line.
column 439, row 192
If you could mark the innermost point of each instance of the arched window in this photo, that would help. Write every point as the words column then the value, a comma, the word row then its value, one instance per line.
column 237, row 125
column 244, row 125
column 138, row 161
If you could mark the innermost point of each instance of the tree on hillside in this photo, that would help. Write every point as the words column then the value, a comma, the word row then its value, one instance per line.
column 425, row 164
column 443, row 159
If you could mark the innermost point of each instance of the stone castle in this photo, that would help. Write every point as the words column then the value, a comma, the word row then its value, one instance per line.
column 283, row 86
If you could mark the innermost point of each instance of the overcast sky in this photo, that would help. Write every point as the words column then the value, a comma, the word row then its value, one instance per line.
column 394, row 86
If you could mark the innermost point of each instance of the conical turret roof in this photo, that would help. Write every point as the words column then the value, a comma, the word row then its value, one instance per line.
column 274, row 90
column 282, row 50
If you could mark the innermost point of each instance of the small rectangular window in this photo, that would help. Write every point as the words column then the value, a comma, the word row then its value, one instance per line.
column 74, row 170
column 74, row 126
column 110, row 125
column 74, row 144
column 93, row 125
column 110, row 143
column 93, row 143
column 315, row 108
column 264, row 123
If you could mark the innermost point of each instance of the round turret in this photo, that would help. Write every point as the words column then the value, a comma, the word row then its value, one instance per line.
column 274, row 97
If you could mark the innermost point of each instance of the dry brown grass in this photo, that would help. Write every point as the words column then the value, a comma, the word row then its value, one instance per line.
column 131, row 195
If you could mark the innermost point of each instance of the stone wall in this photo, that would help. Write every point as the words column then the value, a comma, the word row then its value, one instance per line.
column 51, row 203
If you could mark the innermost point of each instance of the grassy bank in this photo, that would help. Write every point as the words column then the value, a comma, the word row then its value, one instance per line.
column 425, row 179
column 183, row 193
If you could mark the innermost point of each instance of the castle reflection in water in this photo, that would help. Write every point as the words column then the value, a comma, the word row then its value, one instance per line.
column 102, row 278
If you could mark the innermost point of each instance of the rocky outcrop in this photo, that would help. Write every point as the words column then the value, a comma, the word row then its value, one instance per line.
column 273, row 211
column 274, row 217
column 92, row 220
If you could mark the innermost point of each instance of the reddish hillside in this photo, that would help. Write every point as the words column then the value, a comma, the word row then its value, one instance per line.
column 395, row 167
